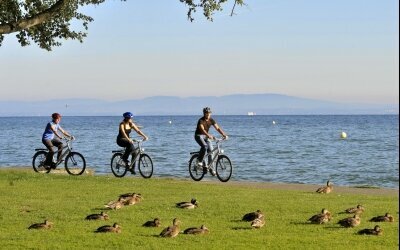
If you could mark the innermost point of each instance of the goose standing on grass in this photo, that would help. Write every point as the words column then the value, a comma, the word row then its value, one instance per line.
column 258, row 222
column 188, row 205
column 327, row 189
column 109, row 229
column 152, row 223
column 372, row 231
column 252, row 216
column 45, row 225
column 100, row 216
column 194, row 230
column 359, row 209
column 350, row 221
column 383, row 218
column 171, row 231
column 321, row 218
column 115, row 204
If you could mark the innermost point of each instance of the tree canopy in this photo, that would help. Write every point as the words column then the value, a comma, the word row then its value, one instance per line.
column 48, row 22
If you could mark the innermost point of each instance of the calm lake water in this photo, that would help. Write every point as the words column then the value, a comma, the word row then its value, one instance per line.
column 288, row 149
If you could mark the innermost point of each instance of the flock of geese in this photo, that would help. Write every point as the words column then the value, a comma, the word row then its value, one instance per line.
column 256, row 218
column 325, row 216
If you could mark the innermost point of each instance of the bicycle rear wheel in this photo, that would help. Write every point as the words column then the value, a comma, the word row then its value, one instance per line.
column 224, row 168
column 145, row 166
column 197, row 173
column 75, row 163
column 39, row 158
column 118, row 166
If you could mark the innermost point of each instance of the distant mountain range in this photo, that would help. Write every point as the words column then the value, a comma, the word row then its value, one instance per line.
column 241, row 104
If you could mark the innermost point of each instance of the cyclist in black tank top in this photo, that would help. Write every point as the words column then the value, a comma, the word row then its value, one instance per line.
column 123, row 139
column 202, row 136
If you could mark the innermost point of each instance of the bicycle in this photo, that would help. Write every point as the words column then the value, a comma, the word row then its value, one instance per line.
column 75, row 163
column 222, row 162
column 145, row 164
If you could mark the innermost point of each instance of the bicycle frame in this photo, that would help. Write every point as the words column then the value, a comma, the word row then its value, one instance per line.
column 215, row 152
column 138, row 150
column 67, row 147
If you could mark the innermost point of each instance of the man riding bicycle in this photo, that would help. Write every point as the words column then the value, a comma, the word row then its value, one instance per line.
column 203, row 138
column 50, row 141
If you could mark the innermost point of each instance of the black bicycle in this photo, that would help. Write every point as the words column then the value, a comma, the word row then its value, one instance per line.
column 223, row 165
column 74, row 162
column 145, row 164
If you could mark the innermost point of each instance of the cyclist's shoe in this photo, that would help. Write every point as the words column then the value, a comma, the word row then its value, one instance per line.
column 53, row 165
column 199, row 165
column 212, row 172
column 126, row 162
column 132, row 170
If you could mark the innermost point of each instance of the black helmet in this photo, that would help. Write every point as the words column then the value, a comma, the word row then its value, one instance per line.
column 127, row 115
column 206, row 110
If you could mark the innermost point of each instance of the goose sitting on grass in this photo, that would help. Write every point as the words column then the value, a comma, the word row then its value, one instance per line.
column 372, row 231
column 252, row 216
column 109, row 229
column 45, row 225
column 355, row 210
column 194, row 230
column 350, row 221
column 152, row 223
column 325, row 190
column 383, row 218
column 115, row 204
column 100, row 216
column 188, row 205
column 171, row 231
column 258, row 222
column 132, row 200
column 321, row 218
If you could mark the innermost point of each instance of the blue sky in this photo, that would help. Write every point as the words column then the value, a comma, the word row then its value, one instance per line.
column 345, row 51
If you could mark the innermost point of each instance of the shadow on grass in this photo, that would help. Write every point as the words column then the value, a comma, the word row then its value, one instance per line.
column 242, row 228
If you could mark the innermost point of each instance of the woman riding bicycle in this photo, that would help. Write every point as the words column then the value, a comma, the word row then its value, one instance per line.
column 203, row 138
column 50, row 141
column 123, row 140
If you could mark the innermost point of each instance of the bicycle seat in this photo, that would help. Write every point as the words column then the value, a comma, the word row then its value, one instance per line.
column 118, row 151
column 40, row 149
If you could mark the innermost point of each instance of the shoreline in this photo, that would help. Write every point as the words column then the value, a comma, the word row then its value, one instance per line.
column 262, row 185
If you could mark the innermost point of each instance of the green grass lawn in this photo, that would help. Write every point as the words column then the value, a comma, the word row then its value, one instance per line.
column 27, row 197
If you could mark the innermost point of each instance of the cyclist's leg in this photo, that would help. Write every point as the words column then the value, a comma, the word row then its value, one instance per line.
column 209, row 149
column 49, row 145
column 57, row 143
column 200, row 140
column 128, row 145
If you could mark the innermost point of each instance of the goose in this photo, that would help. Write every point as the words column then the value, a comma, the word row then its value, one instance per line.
column 355, row 210
column 100, row 216
column 115, row 204
column 152, row 223
column 252, row 216
column 194, row 230
column 383, row 218
column 188, row 205
column 350, row 221
column 45, row 225
column 325, row 190
column 321, row 218
column 258, row 222
column 109, row 229
column 171, row 231
column 372, row 231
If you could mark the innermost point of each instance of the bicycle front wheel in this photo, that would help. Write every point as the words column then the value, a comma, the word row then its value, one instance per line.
column 145, row 166
column 75, row 163
column 224, row 168
column 197, row 173
column 118, row 166
column 38, row 162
